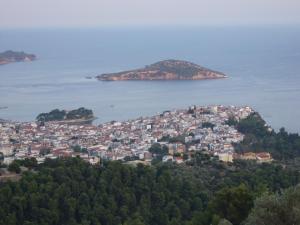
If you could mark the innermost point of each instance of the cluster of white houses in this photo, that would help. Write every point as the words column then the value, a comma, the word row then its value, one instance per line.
column 201, row 128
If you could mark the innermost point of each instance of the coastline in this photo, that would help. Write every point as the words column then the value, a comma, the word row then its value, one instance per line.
column 77, row 121
column 177, row 79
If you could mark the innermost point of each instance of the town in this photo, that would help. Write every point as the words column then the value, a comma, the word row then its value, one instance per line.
column 176, row 134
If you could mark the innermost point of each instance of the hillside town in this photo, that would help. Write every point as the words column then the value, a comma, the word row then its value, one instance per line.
column 180, row 132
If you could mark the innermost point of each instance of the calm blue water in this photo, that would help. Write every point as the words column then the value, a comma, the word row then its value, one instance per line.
column 263, row 65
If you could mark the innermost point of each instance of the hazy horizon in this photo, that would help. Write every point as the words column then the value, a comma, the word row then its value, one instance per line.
column 116, row 13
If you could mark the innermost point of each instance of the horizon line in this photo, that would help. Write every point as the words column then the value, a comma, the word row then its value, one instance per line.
column 145, row 26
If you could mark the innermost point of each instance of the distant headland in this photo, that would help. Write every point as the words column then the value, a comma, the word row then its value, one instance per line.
column 11, row 57
column 165, row 70
column 80, row 115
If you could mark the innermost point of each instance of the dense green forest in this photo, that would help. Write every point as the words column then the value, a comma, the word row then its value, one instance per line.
column 202, row 192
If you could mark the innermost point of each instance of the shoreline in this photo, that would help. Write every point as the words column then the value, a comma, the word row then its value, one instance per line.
column 68, row 122
column 211, row 78
column 77, row 121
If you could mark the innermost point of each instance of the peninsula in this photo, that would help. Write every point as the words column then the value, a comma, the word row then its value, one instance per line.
column 80, row 115
column 11, row 57
column 165, row 70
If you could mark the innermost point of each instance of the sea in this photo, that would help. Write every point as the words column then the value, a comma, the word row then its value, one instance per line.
column 262, row 64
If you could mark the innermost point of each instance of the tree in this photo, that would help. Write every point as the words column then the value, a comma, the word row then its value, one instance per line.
column 71, row 191
column 158, row 152
column 279, row 209
column 30, row 163
column 14, row 167
column 208, row 125
column 45, row 151
column 232, row 121
column 158, row 149
column 1, row 157
column 232, row 204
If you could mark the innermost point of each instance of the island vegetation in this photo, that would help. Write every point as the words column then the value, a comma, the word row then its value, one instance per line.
column 165, row 70
column 11, row 56
column 80, row 114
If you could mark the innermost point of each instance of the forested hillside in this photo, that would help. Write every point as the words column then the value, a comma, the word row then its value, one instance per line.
column 259, row 137
column 206, row 191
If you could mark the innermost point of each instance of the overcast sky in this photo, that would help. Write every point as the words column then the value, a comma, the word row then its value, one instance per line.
column 86, row 13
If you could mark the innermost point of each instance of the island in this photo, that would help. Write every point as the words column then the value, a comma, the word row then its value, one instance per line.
column 12, row 56
column 165, row 70
column 76, row 116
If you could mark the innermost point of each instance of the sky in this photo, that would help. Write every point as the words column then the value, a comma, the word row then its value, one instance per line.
column 94, row 13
